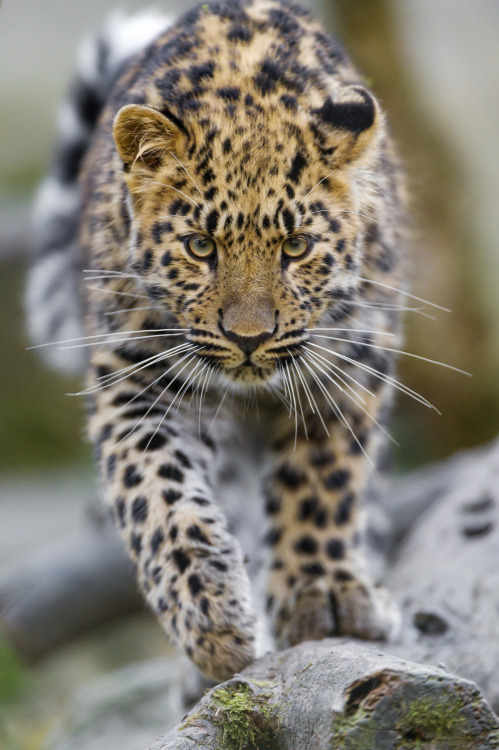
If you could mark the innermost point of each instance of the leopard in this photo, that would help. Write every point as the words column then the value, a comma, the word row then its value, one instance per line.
column 222, row 236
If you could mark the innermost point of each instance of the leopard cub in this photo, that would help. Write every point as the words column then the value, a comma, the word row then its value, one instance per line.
column 227, row 189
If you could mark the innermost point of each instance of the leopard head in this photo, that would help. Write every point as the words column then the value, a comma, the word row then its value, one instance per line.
column 246, row 228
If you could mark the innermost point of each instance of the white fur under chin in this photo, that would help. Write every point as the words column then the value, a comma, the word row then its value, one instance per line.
column 243, row 387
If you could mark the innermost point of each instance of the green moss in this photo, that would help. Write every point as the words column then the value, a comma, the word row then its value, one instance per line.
column 359, row 722
column 424, row 719
column 243, row 716
column 431, row 719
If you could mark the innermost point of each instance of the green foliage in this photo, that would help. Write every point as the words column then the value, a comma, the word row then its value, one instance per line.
column 13, row 675
column 39, row 424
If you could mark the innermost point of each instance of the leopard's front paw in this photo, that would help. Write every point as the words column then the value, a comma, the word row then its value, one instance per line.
column 340, row 605
column 202, row 597
column 220, row 650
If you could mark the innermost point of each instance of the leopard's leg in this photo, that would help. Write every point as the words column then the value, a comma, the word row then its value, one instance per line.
column 318, row 582
column 157, row 477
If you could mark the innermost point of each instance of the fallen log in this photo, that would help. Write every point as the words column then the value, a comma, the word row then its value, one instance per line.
column 65, row 591
column 407, row 498
column 337, row 694
column 445, row 574
column 443, row 571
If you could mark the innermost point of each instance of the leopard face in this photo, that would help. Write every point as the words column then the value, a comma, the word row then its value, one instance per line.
column 245, row 252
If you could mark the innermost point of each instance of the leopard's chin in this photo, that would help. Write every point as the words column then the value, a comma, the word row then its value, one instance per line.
column 249, row 375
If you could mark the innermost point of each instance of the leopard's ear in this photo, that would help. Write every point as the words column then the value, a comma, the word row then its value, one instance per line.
column 144, row 136
column 348, row 124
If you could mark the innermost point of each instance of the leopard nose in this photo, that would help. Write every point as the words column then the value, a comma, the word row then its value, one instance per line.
column 248, row 344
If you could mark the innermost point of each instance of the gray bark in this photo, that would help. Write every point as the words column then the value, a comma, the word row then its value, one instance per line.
column 408, row 498
column 67, row 590
column 445, row 572
column 331, row 694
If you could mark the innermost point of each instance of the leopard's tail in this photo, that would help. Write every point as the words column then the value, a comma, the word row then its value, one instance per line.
column 52, row 295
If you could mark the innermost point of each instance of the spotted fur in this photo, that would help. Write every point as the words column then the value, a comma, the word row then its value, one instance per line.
column 244, row 126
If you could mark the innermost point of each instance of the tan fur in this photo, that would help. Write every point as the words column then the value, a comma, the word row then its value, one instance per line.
column 248, row 126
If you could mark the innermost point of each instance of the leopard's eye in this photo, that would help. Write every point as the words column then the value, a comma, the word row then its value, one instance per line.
column 202, row 247
column 295, row 247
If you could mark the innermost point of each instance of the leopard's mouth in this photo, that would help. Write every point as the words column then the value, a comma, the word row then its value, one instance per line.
column 267, row 370
column 249, row 370
column 261, row 367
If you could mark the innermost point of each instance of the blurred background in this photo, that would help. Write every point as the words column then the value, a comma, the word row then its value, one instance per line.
column 434, row 65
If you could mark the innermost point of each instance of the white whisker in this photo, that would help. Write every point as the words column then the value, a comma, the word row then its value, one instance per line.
column 114, row 278
column 195, row 392
column 277, row 394
column 179, row 396
column 218, row 409
column 137, row 366
column 122, row 294
column 403, row 292
column 294, row 402
column 347, row 375
column 356, row 399
column 385, row 378
column 347, row 330
column 312, row 400
column 317, row 185
column 144, row 416
column 209, row 374
column 337, row 410
column 306, row 389
column 120, row 340
column 387, row 306
column 285, row 383
column 187, row 173
column 110, row 380
column 178, row 191
column 129, row 310
column 396, row 351
column 341, row 211
column 103, row 335
column 111, row 272
column 299, row 398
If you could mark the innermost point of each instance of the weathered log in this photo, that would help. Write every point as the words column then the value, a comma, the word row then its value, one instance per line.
column 331, row 694
column 67, row 590
column 446, row 576
column 407, row 498
column 334, row 693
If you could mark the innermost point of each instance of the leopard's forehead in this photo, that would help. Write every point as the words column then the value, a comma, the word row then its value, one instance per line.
column 257, row 51
column 224, row 60
column 250, row 186
column 257, row 176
